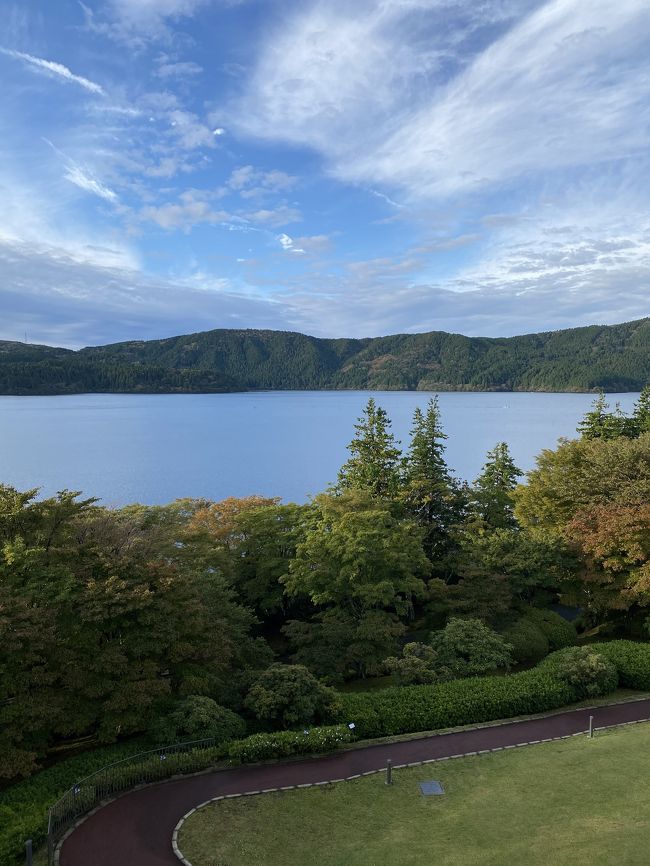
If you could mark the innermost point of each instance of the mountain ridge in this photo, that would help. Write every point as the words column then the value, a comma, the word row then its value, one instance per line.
column 589, row 358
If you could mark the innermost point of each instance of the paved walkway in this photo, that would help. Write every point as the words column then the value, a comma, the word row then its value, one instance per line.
column 136, row 829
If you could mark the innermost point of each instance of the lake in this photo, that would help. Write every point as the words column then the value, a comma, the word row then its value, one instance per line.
column 155, row 448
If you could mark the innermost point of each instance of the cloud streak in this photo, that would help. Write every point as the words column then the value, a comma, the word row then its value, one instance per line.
column 55, row 70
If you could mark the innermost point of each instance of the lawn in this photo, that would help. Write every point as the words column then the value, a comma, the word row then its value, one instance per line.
column 575, row 801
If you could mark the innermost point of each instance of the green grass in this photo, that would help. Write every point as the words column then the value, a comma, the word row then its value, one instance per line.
column 580, row 802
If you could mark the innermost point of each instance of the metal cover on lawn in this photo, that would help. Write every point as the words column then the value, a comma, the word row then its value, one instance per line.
column 429, row 788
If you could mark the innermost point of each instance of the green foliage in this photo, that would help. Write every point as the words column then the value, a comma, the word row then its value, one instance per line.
column 103, row 618
column 612, row 358
column 357, row 554
column 588, row 672
column 23, row 807
column 285, row 744
column 286, row 695
column 385, row 712
column 468, row 646
column 538, row 632
column 337, row 644
column 431, row 495
column 556, row 629
column 418, row 665
column 632, row 662
column 373, row 465
column 529, row 643
column 197, row 718
column 579, row 474
column 492, row 492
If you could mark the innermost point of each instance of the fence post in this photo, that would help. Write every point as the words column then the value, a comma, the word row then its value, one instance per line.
column 50, row 840
column 28, row 852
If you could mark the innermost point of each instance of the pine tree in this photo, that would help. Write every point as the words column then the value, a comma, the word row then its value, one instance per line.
column 640, row 420
column 374, row 456
column 600, row 423
column 429, row 491
column 493, row 488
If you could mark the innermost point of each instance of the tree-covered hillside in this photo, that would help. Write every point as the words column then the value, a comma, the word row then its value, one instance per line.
column 609, row 358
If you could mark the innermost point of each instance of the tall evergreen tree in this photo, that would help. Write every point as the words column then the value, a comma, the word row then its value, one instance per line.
column 430, row 492
column 600, row 423
column 493, row 488
column 374, row 456
column 640, row 420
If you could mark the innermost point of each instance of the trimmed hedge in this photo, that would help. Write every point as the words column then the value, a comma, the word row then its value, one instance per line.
column 632, row 661
column 409, row 709
column 283, row 744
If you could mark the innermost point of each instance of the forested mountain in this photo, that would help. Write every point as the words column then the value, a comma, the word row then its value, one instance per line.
column 611, row 358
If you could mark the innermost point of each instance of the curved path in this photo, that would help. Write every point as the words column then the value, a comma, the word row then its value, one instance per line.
column 136, row 829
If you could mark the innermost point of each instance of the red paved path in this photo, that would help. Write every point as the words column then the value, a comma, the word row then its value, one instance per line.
column 136, row 829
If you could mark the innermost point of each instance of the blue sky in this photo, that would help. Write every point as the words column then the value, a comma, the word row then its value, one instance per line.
column 335, row 168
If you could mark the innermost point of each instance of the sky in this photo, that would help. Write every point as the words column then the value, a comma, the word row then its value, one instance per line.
column 335, row 168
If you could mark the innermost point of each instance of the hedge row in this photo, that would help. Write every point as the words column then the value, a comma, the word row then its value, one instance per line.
column 632, row 661
column 458, row 702
column 284, row 744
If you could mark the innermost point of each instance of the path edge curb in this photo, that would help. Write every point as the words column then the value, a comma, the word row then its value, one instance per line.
column 179, row 854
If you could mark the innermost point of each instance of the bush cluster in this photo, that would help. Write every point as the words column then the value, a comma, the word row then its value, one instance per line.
column 538, row 632
column 284, row 744
column 588, row 672
column 632, row 661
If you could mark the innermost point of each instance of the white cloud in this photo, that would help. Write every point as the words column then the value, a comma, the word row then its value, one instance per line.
column 276, row 217
column 288, row 244
column 62, row 300
column 250, row 182
column 55, row 70
column 380, row 91
column 191, row 209
column 178, row 69
column 189, row 130
column 84, row 180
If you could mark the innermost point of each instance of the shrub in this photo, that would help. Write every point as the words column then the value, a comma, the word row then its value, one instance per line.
column 529, row 643
column 632, row 662
column 287, row 695
column 198, row 718
column 418, row 665
column 283, row 744
column 586, row 670
column 407, row 709
column 558, row 631
column 468, row 646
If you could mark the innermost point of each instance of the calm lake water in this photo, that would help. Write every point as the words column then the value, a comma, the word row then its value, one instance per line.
column 155, row 448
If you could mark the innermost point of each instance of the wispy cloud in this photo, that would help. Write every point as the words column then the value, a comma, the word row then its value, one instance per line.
column 81, row 178
column 563, row 86
column 54, row 70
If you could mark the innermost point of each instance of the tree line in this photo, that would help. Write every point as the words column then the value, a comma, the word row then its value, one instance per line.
column 244, row 614
column 612, row 358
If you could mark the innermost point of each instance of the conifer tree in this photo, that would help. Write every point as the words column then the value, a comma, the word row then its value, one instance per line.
column 640, row 420
column 374, row 460
column 430, row 492
column 600, row 423
column 493, row 489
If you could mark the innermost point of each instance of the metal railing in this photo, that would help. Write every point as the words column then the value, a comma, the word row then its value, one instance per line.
column 144, row 768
